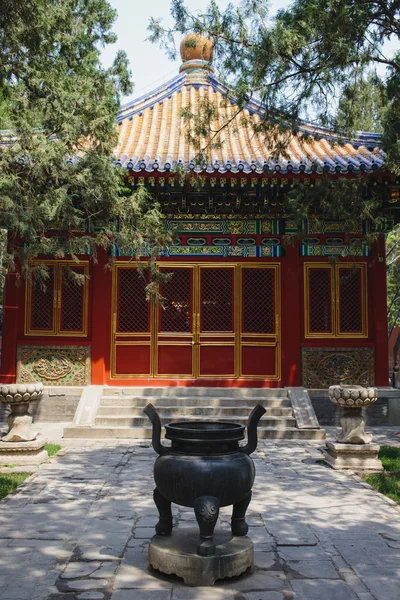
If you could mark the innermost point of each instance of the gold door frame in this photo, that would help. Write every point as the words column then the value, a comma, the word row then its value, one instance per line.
column 231, row 339
column 58, row 266
column 335, row 299
column 194, row 339
column 187, row 339
column 124, row 342
column 262, row 339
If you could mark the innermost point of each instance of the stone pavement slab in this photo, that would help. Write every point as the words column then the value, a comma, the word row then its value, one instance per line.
column 79, row 528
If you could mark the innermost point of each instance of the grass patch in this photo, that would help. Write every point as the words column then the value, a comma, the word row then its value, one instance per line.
column 387, row 482
column 390, row 457
column 9, row 482
column 52, row 449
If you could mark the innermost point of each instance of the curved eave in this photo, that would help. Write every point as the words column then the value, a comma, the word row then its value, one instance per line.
column 269, row 168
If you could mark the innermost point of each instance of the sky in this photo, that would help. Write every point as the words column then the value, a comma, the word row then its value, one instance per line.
column 150, row 67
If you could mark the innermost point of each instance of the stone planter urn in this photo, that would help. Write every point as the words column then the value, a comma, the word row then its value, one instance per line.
column 353, row 448
column 19, row 396
column 352, row 398
column 21, row 445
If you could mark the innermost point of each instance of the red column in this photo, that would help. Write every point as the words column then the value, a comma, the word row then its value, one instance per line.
column 291, row 316
column 378, row 306
column 101, row 287
column 11, row 314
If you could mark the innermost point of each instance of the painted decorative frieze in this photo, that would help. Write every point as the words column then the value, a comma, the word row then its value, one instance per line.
column 323, row 367
column 223, row 251
column 331, row 250
column 229, row 225
column 54, row 365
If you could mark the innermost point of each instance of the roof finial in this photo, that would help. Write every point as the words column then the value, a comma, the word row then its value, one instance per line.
column 195, row 46
column 196, row 53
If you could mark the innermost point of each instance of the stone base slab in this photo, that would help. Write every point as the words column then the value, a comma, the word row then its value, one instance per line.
column 24, row 453
column 176, row 554
column 357, row 457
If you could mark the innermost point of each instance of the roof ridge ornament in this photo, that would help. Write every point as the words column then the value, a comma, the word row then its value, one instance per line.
column 196, row 52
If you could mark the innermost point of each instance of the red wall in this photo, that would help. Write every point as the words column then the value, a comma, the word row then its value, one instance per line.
column 292, row 332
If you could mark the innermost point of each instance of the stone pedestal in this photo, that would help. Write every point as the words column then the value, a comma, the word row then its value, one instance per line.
column 352, row 449
column 357, row 457
column 353, row 428
column 26, row 454
column 20, row 425
column 176, row 554
column 18, row 396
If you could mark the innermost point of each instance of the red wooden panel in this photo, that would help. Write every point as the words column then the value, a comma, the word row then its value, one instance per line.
column 72, row 301
column 216, row 302
column 124, row 337
column 350, row 300
column 258, row 360
column 320, row 300
column 42, row 302
column 209, row 337
column 258, row 289
column 176, row 311
column 132, row 360
column 217, row 360
column 175, row 360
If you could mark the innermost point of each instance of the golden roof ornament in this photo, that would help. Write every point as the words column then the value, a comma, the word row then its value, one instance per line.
column 195, row 46
column 196, row 53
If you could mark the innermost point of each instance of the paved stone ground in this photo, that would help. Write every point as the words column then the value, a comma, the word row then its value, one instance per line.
column 79, row 528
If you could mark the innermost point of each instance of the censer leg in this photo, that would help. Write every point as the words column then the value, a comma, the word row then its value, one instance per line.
column 238, row 523
column 164, row 525
column 206, row 509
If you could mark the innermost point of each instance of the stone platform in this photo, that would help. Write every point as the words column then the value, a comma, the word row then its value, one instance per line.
column 363, row 457
column 176, row 555
column 26, row 454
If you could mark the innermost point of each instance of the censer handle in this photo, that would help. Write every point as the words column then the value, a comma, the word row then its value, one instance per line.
column 151, row 412
column 252, row 423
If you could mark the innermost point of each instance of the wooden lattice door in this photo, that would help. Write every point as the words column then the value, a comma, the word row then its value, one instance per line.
column 132, row 324
column 175, row 350
column 216, row 322
column 259, row 351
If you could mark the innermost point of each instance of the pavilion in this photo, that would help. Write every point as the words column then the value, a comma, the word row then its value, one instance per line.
column 244, row 307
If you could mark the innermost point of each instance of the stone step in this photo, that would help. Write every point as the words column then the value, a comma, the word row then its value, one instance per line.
column 101, row 433
column 159, row 402
column 179, row 412
column 142, row 421
column 194, row 392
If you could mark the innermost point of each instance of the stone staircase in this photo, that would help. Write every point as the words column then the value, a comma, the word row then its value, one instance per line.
column 113, row 412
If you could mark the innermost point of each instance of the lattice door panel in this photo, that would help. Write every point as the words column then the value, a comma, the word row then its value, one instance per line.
column 176, row 312
column 320, row 318
column 350, row 295
column 133, row 309
column 216, row 301
column 258, row 300
column 42, row 302
column 72, row 307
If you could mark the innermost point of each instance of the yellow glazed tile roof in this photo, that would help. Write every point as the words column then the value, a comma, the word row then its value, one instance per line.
column 153, row 134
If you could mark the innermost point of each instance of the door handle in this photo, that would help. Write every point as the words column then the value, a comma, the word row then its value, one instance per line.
column 196, row 323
